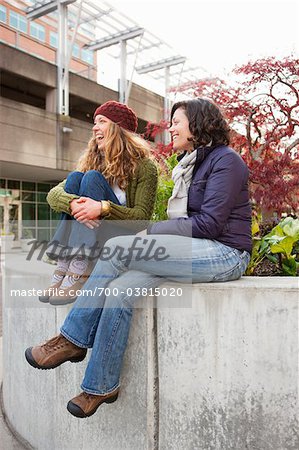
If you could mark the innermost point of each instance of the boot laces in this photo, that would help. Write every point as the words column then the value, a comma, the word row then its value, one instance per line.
column 87, row 396
column 54, row 343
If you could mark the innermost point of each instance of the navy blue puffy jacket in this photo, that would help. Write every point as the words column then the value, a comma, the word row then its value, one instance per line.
column 218, row 201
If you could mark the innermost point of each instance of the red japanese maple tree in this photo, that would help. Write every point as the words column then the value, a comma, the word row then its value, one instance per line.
column 261, row 104
column 262, row 107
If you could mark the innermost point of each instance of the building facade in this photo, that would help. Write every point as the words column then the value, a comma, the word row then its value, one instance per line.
column 38, row 146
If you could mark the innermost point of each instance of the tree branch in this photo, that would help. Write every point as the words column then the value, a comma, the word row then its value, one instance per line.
column 291, row 146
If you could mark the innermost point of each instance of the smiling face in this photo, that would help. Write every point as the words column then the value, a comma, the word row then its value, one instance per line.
column 180, row 132
column 101, row 129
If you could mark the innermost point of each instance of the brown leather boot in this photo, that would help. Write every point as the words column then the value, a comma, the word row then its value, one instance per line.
column 54, row 352
column 69, row 295
column 85, row 405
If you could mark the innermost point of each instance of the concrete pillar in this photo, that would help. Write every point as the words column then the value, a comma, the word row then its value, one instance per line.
column 51, row 100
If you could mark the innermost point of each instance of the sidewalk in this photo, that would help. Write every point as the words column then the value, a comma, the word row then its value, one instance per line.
column 8, row 440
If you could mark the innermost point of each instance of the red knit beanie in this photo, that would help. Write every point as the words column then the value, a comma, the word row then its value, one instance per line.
column 118, row 113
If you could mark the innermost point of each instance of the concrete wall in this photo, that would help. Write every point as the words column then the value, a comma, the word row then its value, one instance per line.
column 29, row 137
column 27, row 66
column 28, row 134
column 217, row 369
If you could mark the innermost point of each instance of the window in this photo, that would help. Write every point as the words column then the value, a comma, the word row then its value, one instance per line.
column 37, row 31
column 53, row 39
column 38, row 220
column 76, row 51
column 87, row 55
column 2, row 14
column 17, row 21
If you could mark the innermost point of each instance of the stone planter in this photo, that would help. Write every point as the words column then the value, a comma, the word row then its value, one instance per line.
column 7, row 241
column 216, row 370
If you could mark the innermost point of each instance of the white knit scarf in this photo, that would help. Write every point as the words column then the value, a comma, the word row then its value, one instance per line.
column 181, row 175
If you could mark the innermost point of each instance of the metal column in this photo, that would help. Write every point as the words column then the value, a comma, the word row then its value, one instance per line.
column 166, row 137
column 123, row 71
column 62, row 62
column 40, row 9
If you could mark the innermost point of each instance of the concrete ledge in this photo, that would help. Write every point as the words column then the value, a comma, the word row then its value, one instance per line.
column 216, row 370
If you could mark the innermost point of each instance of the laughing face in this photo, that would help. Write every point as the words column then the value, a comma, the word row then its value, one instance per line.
column 180, row 132
column 101, row 129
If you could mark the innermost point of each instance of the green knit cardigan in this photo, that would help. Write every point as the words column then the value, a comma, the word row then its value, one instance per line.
column 140, row 195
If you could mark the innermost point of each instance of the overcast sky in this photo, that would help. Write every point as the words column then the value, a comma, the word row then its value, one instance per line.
column 220, row 34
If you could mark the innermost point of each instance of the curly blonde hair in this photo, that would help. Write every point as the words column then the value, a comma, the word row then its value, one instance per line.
column 123, row 150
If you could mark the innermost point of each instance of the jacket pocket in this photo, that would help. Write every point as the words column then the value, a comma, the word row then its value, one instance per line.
column 199, row 185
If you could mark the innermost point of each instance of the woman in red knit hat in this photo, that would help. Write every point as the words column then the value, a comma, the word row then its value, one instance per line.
column 115, row 179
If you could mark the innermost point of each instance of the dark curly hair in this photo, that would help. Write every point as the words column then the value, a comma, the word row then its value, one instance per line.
column 206, row 122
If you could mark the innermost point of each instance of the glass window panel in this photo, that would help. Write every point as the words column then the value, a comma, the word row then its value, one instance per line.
column 17, row 21
column 22, row 24
column 43, row 187
column 2, row 13
column 33, row 30
column 43, row 234
column 28, row 186
column 37, row 31
column 87, row 55
column 28, row 196
column 13, row 184
column 2, row 183
column 55, row 215
column 28, row 211
column 13, row 20
column 53, row 39
column 41, row 197
column 28, row 233
column 43, row 212
column 76, row 51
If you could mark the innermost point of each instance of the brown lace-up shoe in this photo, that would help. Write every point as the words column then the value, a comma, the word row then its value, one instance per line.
column 44, row 298
column 54, row 352
column 85, row 405
column 69, row 295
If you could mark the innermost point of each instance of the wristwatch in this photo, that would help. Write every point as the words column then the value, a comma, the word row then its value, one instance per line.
column 105, row 211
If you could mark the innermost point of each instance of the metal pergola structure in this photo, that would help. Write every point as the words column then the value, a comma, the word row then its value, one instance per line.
column 123, row 38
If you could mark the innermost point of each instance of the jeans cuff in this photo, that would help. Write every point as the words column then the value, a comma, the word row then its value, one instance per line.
column 72, row 340
column 96, row 392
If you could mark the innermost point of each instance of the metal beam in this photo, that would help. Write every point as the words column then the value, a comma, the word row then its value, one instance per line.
column 115, row 39
column 160, row 64
column 42, row 8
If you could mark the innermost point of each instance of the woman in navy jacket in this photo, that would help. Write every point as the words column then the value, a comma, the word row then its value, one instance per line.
column 218, row 204
column 206, row 239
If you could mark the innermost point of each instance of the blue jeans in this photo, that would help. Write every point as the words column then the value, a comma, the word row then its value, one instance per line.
column 102, row 322
column 70, row 233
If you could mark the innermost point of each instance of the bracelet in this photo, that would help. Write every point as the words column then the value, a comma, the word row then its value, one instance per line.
column 105, row 211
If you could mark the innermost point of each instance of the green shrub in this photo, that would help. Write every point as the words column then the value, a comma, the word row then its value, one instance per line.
column 165, row 186
column 276, row 252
